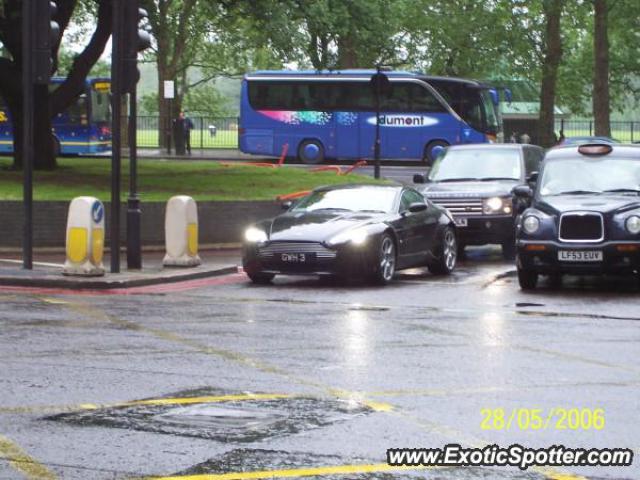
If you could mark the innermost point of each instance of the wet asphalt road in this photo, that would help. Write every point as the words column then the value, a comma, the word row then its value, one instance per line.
column 314, row 379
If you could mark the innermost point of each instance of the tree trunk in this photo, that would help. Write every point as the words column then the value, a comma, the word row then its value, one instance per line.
column 347, row 54
column 601, row 109
column 552, row 57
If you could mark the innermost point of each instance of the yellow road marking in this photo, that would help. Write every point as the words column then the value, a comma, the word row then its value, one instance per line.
column 207, row 399
column 150, row 401
column 294, row 472
column 22, row 462
column 551, row 474
column 55, row 301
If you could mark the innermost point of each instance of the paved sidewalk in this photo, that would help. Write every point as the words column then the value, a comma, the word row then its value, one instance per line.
column 47, row 272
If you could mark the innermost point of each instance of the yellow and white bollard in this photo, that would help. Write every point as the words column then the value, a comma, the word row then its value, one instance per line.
column 181, row 232
column 85, row 237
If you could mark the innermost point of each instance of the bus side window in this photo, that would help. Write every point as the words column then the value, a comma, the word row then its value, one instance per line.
column 422, row 100
column 398, row 100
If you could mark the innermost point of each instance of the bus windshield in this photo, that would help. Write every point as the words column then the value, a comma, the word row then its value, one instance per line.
column 100, row 103
column 473, row 104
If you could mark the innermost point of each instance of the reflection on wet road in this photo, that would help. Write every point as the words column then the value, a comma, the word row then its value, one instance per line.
column 304, row 379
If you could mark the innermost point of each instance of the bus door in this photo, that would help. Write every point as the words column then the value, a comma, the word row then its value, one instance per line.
column 367, row 134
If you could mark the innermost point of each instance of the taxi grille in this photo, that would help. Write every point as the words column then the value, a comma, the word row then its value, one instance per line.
column 467, row 207
column 581, row 227
column 276, row 248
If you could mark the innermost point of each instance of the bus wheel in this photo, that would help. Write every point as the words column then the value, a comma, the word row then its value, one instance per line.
column 311, row 152
column 431, row 151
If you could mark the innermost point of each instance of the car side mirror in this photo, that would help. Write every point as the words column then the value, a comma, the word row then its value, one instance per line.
column 533, row 177
column 417, row 207
column 523, row 191
column 287, row 205
column 418, row 178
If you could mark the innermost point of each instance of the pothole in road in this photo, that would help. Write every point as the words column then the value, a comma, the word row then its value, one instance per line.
column 220, row 415
column 334, row 467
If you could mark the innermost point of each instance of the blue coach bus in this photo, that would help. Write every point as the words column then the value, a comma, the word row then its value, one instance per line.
column 83, row 128
column 323, row 115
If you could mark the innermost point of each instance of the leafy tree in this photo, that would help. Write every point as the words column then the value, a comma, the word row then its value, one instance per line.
column 54, row 102
column 330, row 34
column 202, row 100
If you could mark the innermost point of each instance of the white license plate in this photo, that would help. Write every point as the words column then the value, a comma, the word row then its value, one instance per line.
column 460, row 222
column 580, row 255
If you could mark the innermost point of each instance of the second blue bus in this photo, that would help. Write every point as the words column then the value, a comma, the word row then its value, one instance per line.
column 331, row 115
column 83, row 128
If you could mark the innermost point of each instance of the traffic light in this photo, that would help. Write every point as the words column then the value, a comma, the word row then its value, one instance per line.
column 135, row 40
column 46, row 34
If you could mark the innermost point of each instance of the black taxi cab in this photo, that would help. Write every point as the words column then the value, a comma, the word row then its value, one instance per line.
column 584, row 214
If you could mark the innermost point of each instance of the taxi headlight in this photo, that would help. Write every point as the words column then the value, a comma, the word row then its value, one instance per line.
column 531, row 224
column 633, row 224
column 357, row 236
column 255, row 235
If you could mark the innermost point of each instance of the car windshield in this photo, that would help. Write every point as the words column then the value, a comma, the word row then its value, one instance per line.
column 477, row 164
column 590, row 176
column 351, row 199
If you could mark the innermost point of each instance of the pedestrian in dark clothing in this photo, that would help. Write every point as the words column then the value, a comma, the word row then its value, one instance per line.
column 188, row 126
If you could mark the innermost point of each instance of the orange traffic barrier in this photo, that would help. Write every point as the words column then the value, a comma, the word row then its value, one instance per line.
column 360, row 163
column 293, row 196
column 326, row 168
column 285, row 149
column 283, row 155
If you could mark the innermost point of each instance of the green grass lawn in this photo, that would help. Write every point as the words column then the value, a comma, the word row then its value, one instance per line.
column 148, row 138
column 159, row 180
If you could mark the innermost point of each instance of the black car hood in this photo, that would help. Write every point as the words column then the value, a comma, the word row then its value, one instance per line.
column 316, row 226
column 496, row 188
column 592, row 203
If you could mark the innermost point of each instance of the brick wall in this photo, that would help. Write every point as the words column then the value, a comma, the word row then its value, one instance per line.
column 220, row 222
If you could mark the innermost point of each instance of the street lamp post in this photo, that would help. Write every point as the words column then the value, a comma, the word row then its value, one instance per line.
column 380, row 83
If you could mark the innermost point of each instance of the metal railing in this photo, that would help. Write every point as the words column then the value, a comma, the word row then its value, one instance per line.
column 207, row 132
column 624, row 131
column 222, row 132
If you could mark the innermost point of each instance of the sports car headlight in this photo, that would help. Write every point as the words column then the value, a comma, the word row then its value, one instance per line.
column 357, row 236
column 531, row 224
column 255, row 235
column 496, row 205
column 633, row 224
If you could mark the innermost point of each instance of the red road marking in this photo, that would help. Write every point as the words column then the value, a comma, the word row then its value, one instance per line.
column 162, row 288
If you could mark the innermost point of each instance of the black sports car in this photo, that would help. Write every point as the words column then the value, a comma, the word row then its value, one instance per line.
column 475, row 183
column 364, row 231
column 584, row 216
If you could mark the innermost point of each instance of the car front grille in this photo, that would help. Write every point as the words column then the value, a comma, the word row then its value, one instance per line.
column 581, row 227
column 277, row 248
column 467, row 207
